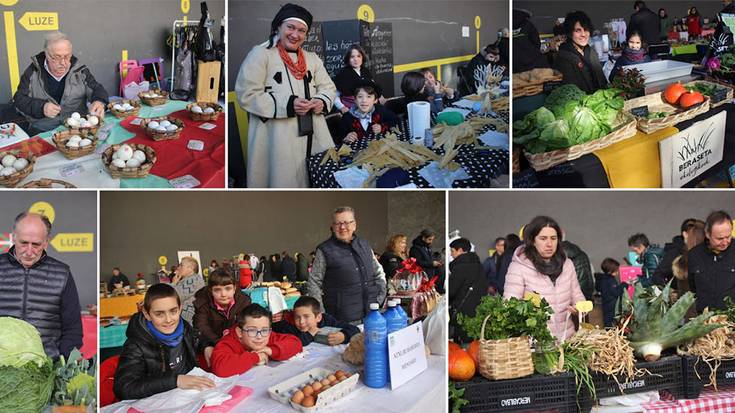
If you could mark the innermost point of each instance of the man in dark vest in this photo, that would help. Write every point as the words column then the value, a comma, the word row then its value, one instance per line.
column 39, row 289
column 346, row 277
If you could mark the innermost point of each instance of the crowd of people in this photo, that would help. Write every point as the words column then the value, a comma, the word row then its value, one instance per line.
column 699, row 258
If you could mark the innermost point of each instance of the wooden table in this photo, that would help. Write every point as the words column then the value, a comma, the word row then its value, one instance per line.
column 120, row 306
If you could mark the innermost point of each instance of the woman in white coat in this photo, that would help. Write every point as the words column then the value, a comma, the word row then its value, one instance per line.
column 286, row 91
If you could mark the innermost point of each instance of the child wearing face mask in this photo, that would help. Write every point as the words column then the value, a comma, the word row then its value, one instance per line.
column 307, row 318
column 635, row 53
column 365, row 119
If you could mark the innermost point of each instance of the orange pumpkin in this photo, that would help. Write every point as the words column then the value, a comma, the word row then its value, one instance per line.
column 461, row 365
column 688, row 100
column 673, row 92
column 454, row 346
column 474, row 351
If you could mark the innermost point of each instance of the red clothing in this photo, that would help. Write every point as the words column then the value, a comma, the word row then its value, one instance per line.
column 246, row 274
column 693, row 26
column 230, row 357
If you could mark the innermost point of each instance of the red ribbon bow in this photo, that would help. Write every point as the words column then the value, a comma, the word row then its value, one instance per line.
column 410, row 265
column 428, row 285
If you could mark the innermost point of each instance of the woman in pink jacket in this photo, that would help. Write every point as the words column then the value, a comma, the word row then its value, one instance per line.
column 540, row 266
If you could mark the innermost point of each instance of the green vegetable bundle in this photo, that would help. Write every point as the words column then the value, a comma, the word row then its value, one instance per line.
column 569, row 117
column 26, row 373
column 509, row 318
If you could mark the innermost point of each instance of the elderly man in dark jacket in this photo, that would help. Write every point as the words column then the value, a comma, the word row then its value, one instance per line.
column 646, row 22
column 583, row 267
column 712, row 264
column 467, row 284
column 39, row 289
column 55, row 85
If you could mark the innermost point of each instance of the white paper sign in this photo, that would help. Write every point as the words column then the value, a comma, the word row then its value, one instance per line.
column 406, row 355
column 465, row 31
column 71, row 170
column 186, row 181
column 693, row 151
column 136, row 121
column 195, row 145
column 207, row 126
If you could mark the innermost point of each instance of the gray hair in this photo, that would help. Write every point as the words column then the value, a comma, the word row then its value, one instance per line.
column 26, row 214
column 342, row 209
column 54, row 37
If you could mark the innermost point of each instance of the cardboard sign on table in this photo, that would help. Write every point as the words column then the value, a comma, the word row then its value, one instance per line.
column 406, row 354
column 691, row 152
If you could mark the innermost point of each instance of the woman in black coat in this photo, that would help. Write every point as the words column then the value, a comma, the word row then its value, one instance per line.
column 577, row 60
column 350, row 76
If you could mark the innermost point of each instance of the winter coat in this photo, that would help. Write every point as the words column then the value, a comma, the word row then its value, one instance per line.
column 288, row 326
column 347, row 80
column 582, row 266
column 380, row 116
column 424, row 256
column 673, row 249
column 523, row 277
column 490, row 266
column 230, row 357
column 583, row 71
column 650, row 260
column 302, row 272
column 119, row 279
column 210, row 322
column 722, row 28
column 526, row 44
column 80, row 87
column 647, row 23
column 288, row 267
column 391, row 263
column 666, row 24
column 694, row 26
column 611, row 289
column 711, row 276
column 186, row 288
column 466, row 271
column 144, row 368
column 266, row 90
column 499, row 280
column 629, row 57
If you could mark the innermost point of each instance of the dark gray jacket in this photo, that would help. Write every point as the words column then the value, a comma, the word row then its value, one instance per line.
column 711, row 277
column 80, row 88
column 46, row 297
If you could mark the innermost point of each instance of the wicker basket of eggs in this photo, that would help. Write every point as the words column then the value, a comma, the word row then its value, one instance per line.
column 16, row 165
column 162, row 129
column 85, row 126
column 203, row 111
column 124, row 108
column 72, row 145
column 129, row 160
column 154, row 97
column 48, row 183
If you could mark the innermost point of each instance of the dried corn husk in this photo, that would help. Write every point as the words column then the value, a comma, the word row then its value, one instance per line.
column 714, row 347
column 390, row 153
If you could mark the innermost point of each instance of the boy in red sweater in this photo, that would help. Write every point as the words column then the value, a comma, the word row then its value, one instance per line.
column 251, row 342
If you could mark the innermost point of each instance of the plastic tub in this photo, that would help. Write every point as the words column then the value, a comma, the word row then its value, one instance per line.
column 662, row 70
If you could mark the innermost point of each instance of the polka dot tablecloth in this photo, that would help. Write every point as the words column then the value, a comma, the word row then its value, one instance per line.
column 482, row 166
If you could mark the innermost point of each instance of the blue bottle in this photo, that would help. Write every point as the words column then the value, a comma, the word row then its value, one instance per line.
column 376, row 348
column 393, row 318
column 401, row 312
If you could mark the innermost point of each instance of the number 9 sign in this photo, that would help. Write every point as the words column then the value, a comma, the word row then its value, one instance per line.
column 185, row 5
column 365, row 13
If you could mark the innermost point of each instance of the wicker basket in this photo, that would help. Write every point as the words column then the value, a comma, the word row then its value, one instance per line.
column 11, row 181
column 719, row 85
column 204, row 116
column 534, row 86
column 140, row 172
column 656, row 103
column 516, row 159
column 542, row 161
column 162, row 136
column 504, row 359
column 48, row 183
column 60, row 139
column 122, row 115
column 154, row 101
column 85, row 132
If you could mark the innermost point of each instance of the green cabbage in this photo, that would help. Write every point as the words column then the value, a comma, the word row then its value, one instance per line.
column 560, row 96
column 20, row 343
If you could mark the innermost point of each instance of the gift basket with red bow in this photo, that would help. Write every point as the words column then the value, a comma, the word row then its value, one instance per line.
column 425, row 298
column 409, row 277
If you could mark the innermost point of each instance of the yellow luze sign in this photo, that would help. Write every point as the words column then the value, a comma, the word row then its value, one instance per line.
column 35, row 21
column 73, row 242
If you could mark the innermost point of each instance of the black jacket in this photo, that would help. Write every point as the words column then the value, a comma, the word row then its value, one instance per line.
column 466, row 271
column 499, row 280
column 347, row 79
column 391, row 263
column 610, row 289
column 381, row 116
column 286, row 326
column 582, row 266
column 288, row 267
column 583, row 71
column 647, row 23
column 526, row 44
column 711, row 277
column 672, row 249
column 144, row 369
column 45, row 296
column 122, row 278
column 424, row 256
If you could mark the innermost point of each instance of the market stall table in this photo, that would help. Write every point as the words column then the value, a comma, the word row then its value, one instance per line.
column 122, row 306
column 175, row 159
column 708, row 401
column 482, row 166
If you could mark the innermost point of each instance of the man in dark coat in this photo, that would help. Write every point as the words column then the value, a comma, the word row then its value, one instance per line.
column 467, row 284
column 646, row 22
column 582, row 266
column 712, row 264
column 673, row 249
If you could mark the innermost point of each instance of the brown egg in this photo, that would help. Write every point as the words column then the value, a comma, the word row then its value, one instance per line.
column 325, row 389
column 347, row 375
column 326, row 382
column 308, row 390
column 317, row 386
column 297, row 397
column 332, row 378
column 339, row 373
column 309, row 401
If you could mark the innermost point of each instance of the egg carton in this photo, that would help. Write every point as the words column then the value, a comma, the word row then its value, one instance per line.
column 158, row 135
column 14, row 179
column 201, row 116
column 61, row 138
column 124, row 114
column 282, row 392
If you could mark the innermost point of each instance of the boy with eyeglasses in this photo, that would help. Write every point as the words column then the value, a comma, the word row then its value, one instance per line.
column 250, row 343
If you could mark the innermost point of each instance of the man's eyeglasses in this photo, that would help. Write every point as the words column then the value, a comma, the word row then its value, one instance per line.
column 254, row 332
column 343, row 224
column 59, row 59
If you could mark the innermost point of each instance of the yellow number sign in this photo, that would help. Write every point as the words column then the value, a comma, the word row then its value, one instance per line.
column 45, row 209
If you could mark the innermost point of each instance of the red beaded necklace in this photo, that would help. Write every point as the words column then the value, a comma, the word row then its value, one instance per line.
column 298, row 69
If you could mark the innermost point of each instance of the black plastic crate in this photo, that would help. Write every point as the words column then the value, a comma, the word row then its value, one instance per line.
column 535, row 393
column 666, row 374
column 693, row 385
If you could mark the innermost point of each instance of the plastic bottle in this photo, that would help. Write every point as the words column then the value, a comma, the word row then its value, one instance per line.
column 376, row 348
column 393, row 318
column 401, row 311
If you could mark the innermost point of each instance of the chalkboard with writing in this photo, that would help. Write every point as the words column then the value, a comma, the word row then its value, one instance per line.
column 339, row 35
column 315, row 40
column 381, row 55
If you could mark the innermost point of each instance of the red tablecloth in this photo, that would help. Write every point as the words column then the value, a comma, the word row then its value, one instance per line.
column 175, row 159
column 709, row 401
column 89, row 339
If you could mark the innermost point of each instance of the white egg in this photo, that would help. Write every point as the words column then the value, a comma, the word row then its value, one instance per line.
column 127, row 107
column 165, row 123
column 153, row 124
column 8, row 160
column 72, row 144
column 132, row 163
column 171, row 128
column 75, row 138
column 161, row 129
column 85, row 124
column 76, row 115
column 73, row 123
column 209, row 110
column 196, row 109
column 94, row 120
column 118, row 107
column 139, row 155
column 125, row 152
column 7, row 171
column 20, row 164
column 85, row 142
column 119, row 163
